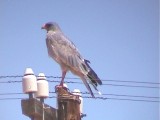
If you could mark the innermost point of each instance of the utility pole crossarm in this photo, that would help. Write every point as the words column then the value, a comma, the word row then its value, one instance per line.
column 69, row 104
column 33, row 108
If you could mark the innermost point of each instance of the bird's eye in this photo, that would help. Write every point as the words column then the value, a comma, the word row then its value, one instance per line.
column 48, row 25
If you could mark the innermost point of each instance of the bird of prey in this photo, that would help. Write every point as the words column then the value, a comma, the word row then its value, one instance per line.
column 65, row 53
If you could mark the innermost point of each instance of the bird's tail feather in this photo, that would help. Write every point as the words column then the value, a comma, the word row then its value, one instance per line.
column 92, row 75
column 87, row 86
column 95, row 87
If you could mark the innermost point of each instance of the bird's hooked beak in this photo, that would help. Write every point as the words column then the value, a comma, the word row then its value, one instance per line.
column 43, row 27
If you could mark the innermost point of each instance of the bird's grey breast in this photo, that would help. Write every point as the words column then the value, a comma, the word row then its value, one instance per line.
column 52, row 45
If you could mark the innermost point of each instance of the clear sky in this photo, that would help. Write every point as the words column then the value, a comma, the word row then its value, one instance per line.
column 119, row 37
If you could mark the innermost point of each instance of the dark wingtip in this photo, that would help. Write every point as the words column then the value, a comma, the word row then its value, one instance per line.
column 93, row 76
column 99, row 81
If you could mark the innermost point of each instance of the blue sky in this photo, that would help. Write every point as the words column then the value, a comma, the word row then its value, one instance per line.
column 120, row 38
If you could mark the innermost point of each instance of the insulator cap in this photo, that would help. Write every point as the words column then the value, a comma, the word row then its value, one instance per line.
column 29, row 81
column 76, row 92
column 42, row 85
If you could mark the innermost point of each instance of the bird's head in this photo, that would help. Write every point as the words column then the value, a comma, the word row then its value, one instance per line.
column 50, row 26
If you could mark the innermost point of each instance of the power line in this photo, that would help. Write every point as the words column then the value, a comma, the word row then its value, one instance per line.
column 100, row 98
column 125, row 81
column 142, row 82
column 73, row 82
column 10, row 81
column 11, row 98
column 84, row 93
column 109, row 96
column 10, row 76
column 139, row 86
column 121, row 95
column 11, row 93
column 136, row 96
column 126, row 99
column 140, row 100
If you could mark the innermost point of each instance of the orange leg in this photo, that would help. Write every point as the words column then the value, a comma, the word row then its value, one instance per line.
column 63, row 76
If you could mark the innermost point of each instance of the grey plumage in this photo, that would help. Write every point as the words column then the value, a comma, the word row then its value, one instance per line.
column 68, row 57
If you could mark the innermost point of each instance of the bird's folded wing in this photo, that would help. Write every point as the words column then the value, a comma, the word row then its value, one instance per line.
column 61, row 48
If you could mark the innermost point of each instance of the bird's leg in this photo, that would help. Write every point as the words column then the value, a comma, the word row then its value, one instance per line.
column 63, row 76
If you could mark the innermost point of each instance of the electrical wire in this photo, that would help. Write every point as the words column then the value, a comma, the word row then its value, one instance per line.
column 73, row 82
column 11, row 93
column 101, row 98
column 142, row 82
column 84, row 93
column 137, row 84
column 11, row 98
column 109, row 96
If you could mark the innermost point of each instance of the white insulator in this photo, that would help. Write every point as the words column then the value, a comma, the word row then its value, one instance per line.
column 77, row 92
column 29, row 81
column 42, row 85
